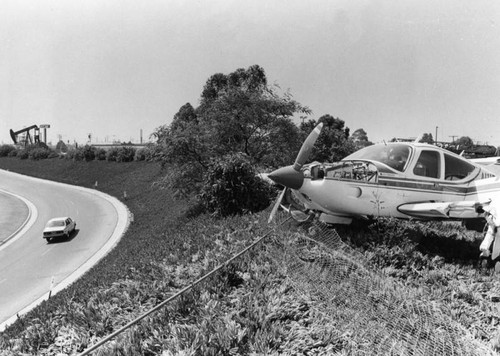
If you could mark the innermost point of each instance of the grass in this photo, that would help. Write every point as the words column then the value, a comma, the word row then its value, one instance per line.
column 251, row 307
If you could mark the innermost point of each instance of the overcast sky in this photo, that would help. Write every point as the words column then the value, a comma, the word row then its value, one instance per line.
column 112, row 68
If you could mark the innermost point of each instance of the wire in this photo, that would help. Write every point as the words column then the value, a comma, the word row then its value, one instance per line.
column 165, row 302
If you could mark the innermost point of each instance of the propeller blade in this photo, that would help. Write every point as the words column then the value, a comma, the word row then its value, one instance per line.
column 276, row 205
column 306, row 148
column 291, row 176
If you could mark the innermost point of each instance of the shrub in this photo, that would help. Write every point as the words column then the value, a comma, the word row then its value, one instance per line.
column 5, row 150
column 111, row 154
column 231, row 186
column 23, row 154
column 146, row 153
column 53, row 154
column 125, row 154
column 70, row 153
column 140, row 154
column 100, row 154
column 88, row 153
column 75, row 154
column 38, row 153
column 13, row 153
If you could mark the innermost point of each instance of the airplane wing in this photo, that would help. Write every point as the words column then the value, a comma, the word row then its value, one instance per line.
column 443, row 210
column 486, row 161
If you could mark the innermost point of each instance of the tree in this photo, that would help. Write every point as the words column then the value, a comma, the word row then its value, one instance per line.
column 360, row 139
column 427, row 138
column 333, row 143
column 464, row 142
column 238, row 112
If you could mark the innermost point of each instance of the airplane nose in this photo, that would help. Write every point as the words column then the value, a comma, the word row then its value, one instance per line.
column 288, row 177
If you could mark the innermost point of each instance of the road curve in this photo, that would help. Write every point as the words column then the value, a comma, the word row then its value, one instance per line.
column 15, row 213
column 32, row 269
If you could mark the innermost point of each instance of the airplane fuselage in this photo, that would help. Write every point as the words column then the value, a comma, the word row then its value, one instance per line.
column 360, row 186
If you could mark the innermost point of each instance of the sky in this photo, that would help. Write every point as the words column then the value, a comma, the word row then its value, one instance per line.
column 113, row 68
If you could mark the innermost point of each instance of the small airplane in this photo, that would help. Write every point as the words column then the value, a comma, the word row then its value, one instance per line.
column 401, row 180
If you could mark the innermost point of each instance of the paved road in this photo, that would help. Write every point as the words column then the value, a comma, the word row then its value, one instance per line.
column 29, row 266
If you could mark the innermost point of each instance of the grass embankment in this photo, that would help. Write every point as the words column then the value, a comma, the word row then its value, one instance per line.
column 250, row 307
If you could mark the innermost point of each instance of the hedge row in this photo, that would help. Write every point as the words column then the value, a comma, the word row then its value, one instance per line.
column 85, row 153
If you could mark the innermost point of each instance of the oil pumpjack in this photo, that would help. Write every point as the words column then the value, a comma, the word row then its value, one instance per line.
column 26, row 138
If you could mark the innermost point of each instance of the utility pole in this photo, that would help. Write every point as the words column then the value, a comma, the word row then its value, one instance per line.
column 436, row 138
column 453, row 138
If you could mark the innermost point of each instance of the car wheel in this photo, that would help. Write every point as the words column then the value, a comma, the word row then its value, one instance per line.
column 49, row 240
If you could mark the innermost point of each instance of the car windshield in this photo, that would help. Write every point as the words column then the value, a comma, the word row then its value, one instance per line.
column 393, row 155
column 56, row 223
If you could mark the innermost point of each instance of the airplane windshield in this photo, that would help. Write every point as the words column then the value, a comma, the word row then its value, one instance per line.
column 393, row 155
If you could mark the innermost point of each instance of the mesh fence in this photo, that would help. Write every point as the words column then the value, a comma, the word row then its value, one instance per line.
column 379, row 314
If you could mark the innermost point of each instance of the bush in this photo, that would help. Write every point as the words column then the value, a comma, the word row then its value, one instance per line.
column 120, row 154
column 140, row 154
column 111, row 154
column 23, row 154
column 146, row 153
column 75, row 154
column 100, row 154
column 125, row 154
column 231, row 186
column 53, row 154
column 5, row 150
column 39, row 153
column 88, row 153
column 13, row 153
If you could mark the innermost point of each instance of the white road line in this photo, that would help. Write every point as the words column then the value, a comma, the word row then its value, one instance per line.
column 30, row 220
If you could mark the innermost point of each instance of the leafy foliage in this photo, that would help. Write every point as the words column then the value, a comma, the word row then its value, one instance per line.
column 427, row 138
column 232, row 187
column 5, row 150
column 89, row 153
column 125, row 154
column 360, row 139
column 39, row 153
column 239, row 113
column 333, row 143
column 100, row 154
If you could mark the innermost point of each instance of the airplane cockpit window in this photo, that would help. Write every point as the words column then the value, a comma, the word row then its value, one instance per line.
column 394, row 155
column 456, row 168
column 427, row 164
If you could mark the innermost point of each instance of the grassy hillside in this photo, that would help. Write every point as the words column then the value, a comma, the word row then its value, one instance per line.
column 251, row 306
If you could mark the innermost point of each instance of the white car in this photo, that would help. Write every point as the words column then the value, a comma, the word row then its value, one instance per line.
column 59, row 227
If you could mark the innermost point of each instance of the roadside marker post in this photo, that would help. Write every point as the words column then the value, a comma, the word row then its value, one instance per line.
column 51, row 286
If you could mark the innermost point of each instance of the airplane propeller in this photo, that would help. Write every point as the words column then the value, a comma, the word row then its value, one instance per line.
column 292, row 176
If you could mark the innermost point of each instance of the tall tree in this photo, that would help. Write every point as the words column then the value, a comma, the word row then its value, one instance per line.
column 464, row 142
column 333, row 143
column 238, row 112
column 427, row 138
column 360, row 139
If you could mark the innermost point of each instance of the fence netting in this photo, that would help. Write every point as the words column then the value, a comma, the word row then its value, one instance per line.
column 380, row 315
